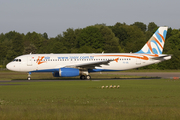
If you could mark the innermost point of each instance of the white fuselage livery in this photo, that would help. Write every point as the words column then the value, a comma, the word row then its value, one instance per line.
column 52, row 62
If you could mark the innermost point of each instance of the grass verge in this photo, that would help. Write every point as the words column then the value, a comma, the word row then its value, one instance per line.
column 135, row 99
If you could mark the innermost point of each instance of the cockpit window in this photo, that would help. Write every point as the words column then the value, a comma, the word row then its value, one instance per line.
column 17, row 60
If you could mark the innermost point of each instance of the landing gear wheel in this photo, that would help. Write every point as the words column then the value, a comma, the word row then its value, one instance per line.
column 82, row 77
column 88, row 77
column 29, row 78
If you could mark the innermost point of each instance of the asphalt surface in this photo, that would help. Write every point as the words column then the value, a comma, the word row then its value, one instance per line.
column 151, row 74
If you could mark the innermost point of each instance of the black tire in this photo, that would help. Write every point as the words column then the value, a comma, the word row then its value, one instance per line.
column 82, row 77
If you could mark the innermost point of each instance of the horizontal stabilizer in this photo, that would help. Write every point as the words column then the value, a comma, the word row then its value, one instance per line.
column 164, row 57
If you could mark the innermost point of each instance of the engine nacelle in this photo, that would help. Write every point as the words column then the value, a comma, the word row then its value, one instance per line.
column 67, row 72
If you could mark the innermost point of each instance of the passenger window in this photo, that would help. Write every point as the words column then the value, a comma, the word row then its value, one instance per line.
column 19, row 60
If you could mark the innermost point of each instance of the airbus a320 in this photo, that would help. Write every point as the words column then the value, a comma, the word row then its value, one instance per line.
column 69, row 65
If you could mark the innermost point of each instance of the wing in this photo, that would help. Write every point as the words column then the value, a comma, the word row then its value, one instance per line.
column 91, row 65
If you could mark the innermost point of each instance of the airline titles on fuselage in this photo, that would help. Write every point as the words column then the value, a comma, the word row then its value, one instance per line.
column 73, row 57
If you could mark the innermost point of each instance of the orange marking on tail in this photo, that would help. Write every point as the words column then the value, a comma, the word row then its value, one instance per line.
column 162, row 37
column 158, row 42
column 149, row 45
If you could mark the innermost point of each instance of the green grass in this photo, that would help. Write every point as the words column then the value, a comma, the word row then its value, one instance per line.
column 135, row 99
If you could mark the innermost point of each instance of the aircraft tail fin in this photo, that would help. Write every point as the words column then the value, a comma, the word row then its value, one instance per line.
column 155, row 44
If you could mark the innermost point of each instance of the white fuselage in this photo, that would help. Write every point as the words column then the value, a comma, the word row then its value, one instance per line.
column 52, row 62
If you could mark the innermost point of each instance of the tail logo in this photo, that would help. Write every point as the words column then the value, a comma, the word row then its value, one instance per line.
column 156, row 42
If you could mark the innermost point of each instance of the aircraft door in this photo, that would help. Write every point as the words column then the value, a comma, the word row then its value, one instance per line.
column 29, row 61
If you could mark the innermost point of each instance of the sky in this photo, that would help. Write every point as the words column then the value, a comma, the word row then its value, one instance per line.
column 56, row 16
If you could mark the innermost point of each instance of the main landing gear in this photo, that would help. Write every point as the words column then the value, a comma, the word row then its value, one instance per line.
column 83, row 77
column 84, row 74
column 29, row 76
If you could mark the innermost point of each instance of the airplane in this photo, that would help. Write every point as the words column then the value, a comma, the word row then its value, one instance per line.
column 70, row 65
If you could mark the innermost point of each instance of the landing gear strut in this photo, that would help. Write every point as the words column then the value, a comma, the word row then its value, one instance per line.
column 29, row 76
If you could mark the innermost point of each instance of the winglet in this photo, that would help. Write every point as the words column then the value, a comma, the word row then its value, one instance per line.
column 155, row 44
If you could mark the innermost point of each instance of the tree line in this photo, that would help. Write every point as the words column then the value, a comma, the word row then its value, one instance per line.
column 119, row 38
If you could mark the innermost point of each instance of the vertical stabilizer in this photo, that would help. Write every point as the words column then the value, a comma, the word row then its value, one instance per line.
column 155, row 44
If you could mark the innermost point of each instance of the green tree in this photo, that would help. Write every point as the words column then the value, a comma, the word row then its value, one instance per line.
column 17, row 45
column 2, row 37
column 140, row 25
column 131, row 38
column 10, row 55
column 30, row 49
column 58, row 47
column 110, row 42
column 90, row 36
column 86, row 49
column 45, row 35
column 152, row 27
column 34, row 38
column 68, row 39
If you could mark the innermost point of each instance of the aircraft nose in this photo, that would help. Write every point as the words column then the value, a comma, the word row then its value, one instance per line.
column 9, row 66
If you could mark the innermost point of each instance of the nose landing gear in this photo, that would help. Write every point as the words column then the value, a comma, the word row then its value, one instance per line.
column 29, row 76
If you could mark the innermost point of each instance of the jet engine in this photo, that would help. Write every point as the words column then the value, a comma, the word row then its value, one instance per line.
column 67, row 72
